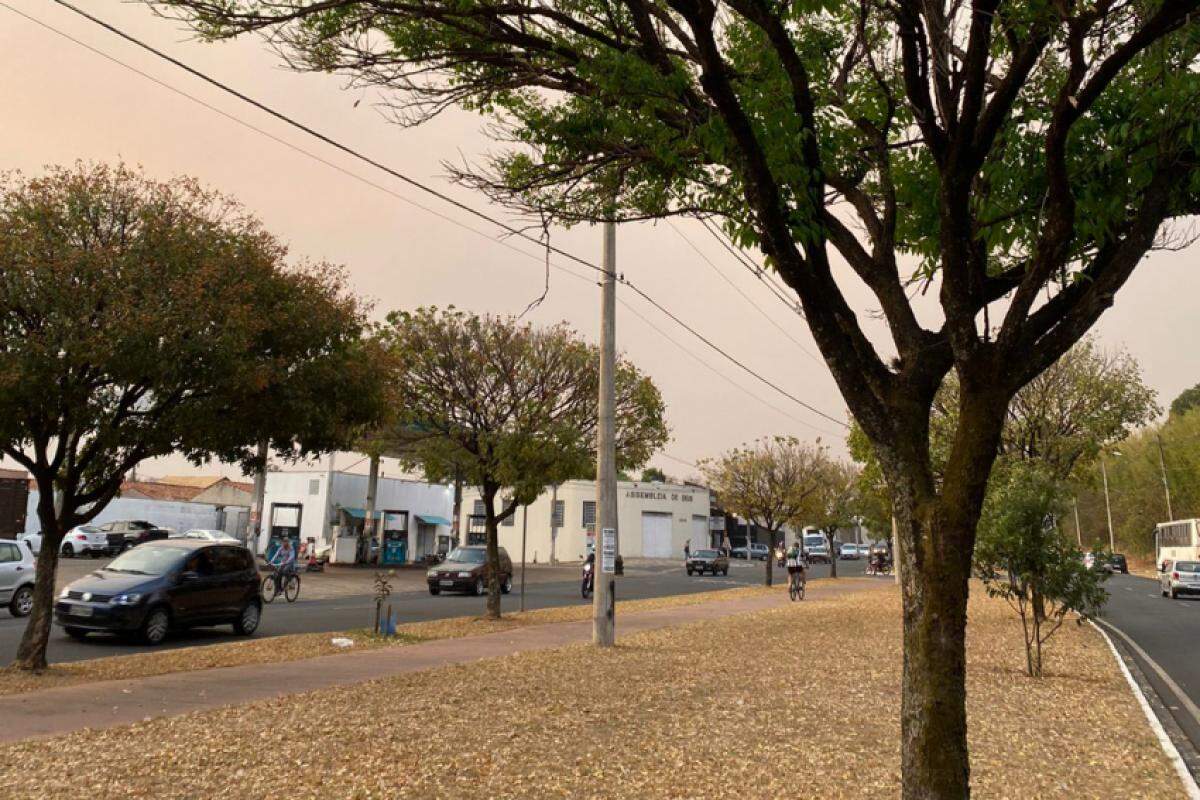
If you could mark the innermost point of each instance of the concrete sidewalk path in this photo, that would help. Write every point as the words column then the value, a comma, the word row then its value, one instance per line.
column 105, row 704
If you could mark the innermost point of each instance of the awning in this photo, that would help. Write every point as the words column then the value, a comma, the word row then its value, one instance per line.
column 357, row 513
column 430, row 519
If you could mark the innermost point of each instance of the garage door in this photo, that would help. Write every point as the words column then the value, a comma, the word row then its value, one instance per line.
column 656, row 535
column 700, row 537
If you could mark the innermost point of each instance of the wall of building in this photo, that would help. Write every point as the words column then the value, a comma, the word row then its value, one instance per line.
column 319, row 506
column 162, row 513
column 654, row 520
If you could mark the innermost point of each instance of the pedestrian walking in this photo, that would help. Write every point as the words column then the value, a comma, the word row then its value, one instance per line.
column 687, row 549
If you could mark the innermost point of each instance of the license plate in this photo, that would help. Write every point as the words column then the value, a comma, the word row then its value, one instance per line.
column 82, row 611
column 447, row 583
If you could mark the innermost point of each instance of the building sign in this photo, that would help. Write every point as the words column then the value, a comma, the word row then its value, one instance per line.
column 638, row 494
column 716, row 523
column 608, row 550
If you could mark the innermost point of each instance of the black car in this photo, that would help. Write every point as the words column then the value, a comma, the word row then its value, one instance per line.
column 1119, row 564
column 160, row 585
column 126, row 533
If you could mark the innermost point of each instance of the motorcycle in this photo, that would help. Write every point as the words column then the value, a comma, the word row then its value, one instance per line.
column 589, row 579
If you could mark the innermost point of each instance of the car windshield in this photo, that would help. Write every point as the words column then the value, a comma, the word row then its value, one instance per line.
column 814, row 541
column 467, row 555
column 148, row 560
column 706, row 553
column 1187, row 566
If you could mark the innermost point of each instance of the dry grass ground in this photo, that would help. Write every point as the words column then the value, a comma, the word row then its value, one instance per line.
column 310, row 645
column 796, row 702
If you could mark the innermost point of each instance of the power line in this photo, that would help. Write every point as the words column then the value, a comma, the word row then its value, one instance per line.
column 745, row 296
column 758, row 272
column 378, row 165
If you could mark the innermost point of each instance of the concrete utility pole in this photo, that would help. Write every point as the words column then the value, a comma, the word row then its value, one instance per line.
column 254, row 528
column 1107, row 506
column 369, row 532
column 603, row 617
column 1162, row 464
column 553, row 524
column 459, row 532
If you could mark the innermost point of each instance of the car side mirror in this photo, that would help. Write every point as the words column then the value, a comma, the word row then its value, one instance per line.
column 188, row 575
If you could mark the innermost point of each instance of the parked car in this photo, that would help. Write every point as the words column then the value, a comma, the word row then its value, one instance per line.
column 1119, row 564
column 465, row 570
column 17, row 570
column 701, row 561
column 816, row 547
column 1180, row 577
column 162, row 585
column 758, row 551
column 34, row 540
column 206, row 535
column 1097, row 562
column 86, row 540
column 849, row 552
column 127, row 533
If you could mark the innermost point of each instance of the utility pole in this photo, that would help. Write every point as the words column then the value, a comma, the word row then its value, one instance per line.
column 524, row 531
column 1112, row 546
column 1078, row 530
column 369, row 514
column 254, row 528
column 1162, row 463
column 603, row 619
column 553, row 524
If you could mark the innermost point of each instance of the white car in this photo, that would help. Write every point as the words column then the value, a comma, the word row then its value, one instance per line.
column 84, row 540
column 207, row 535
column 34, row 540
column 17, row 570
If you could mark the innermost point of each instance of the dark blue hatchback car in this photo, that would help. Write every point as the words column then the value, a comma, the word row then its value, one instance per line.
column 161, row 585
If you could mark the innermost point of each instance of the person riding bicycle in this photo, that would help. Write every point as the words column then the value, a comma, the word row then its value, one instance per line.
column 284, row 560
column 795, row 561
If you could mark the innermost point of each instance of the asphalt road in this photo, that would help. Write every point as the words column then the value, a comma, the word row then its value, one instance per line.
column 1168, row 634
column 357, row 611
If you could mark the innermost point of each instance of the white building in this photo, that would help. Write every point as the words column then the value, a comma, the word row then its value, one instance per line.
column 654, row 520
column 329, row 508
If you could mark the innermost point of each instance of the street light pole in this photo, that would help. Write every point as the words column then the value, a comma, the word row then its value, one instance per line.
column 1112, row 546
column 1078, row 530
column 603, row 601
column 524, row 531
column 1162, row 464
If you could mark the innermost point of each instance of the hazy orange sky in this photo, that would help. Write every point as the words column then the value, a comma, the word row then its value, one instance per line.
column 59, row 102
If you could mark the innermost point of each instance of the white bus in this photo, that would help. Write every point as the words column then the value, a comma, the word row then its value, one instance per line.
column 1177, row 541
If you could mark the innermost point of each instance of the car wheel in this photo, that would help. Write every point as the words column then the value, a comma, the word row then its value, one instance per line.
column 156, row 625
column 22, row 602
column 479, row 587
column 1172, row 593
column 434, row 590
column 247, row 622
column 506, row 587
column 68, row 551
column 689, row 571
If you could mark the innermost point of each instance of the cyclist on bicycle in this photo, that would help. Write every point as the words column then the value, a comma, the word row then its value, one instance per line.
column 284, row 561
column 795, row 563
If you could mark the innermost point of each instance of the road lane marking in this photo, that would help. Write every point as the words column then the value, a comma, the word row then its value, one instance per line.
column 1169, row 748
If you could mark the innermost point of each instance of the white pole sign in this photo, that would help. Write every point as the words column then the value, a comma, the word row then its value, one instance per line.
column 608, row 552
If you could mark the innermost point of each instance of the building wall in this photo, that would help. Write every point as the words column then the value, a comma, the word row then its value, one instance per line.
column 311, row 491
column 163, row 513
column 687, row 507
column 225, row 494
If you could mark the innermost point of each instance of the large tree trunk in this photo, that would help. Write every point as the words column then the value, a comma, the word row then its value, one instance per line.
column 31, row 652
column 833, row 554
column 770, row 556
column 492, row 526
column 936, row 540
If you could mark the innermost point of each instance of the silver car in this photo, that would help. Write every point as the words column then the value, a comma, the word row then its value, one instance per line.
column 1180, row 577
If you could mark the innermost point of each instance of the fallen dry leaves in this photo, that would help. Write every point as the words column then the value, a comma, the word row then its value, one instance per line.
column 795, row 702
column 310, row 645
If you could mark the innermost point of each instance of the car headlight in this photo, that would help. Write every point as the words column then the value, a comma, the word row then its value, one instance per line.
column 464, row 574
column 128, row 599
column 65, row 592
column 433, row 573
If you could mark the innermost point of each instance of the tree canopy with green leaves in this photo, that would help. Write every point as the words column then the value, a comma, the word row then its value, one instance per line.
column 1020, row 158
column 141, row 318
column 508, row 408
column 1186, row 401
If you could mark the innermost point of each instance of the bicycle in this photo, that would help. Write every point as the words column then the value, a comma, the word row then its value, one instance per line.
column 796, row 585
column 278, row 583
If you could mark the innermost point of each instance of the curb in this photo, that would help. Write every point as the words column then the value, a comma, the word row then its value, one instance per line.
column 1169, row 749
